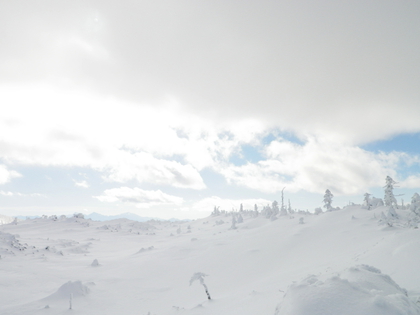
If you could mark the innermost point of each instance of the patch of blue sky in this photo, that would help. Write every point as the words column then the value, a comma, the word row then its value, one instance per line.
column 280, row 135
column 247, row 154
column 55, row 185
column 253, row 153
column 215, row 182
column 406, row 171
column 409, row 143
column 268, row 139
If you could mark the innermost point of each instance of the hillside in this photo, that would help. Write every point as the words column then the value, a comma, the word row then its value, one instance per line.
column 340, row 262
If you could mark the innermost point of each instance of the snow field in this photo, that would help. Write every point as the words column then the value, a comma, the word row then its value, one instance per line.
column 262, row 267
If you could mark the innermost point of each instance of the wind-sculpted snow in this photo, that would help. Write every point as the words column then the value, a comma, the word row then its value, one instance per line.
column 361, row 290
column 74, row 288
column 10, row 243
column 144, row 268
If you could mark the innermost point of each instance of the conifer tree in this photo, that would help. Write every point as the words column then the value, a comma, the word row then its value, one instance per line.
column 328, row 200
column 367, row 201
column 389, row 198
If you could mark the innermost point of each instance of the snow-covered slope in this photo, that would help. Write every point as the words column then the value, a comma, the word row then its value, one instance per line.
column 339, row 262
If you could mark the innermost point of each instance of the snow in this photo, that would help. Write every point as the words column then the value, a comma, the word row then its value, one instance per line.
column 339, row 262
column 4, row 219
column 361, row 290
column 75, row 288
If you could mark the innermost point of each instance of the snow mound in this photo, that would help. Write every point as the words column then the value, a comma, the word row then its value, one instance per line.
column 361, row 290
column 12, row 241
column 76, row 288
column 6, row 219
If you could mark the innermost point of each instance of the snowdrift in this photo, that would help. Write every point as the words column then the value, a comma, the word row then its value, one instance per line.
column 361, row 290
column 74, row 289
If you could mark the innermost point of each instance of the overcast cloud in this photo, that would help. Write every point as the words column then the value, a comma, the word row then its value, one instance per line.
column 155, row 93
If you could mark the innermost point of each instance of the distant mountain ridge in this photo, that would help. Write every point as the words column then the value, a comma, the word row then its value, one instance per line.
column 95, row 217
column 131, row 216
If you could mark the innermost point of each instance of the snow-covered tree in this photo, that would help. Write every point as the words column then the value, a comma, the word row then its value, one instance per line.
column 200, row 277
column 366, row 201
column 415, row 204
column 289, row 208
column 71, row 301
column 241, row 208
column 233, row 227
column 328, row 200
column 275, row 207
column 274, row 210
column 216, row 211
column 389, row 198
column 267, row 211
column 283, row 210
column 318, row 211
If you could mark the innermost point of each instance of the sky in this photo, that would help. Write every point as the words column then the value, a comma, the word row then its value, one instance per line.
column 170, row 108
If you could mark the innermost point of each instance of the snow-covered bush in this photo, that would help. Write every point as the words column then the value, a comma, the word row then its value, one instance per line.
column 78, row 216
column 95, row 263
column 200, row 277
column 376, row 202
column 12, row 241
column 267, row 212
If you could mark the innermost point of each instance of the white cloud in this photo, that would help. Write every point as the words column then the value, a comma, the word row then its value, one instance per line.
column 163, row 145
column 10, row 194
column 145, row 168
column 83, row 184
column 127, row 141
column 141, row 198
column 7, row 175
column 312, row 74
column 412, row 181
column 314, row 167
